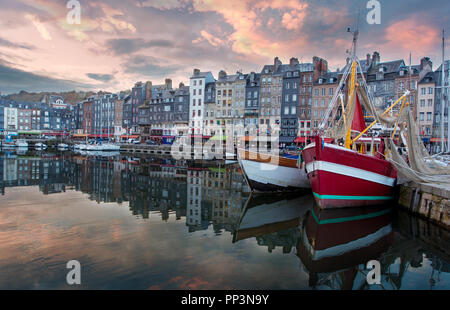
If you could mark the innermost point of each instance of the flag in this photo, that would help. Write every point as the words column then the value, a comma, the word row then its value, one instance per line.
column 358, row 123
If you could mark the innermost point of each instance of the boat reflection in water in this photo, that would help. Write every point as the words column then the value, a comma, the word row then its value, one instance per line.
column 336, row 244
column 264, row 215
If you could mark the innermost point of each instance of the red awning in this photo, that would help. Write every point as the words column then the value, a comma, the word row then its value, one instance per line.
column 437, row 139
column 300, row 140
column 101, row 136
column 129, row 136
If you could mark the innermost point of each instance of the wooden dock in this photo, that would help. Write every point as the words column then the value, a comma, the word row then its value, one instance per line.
column 429, row 201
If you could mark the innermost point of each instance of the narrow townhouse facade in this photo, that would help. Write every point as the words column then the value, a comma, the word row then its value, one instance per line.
column 252, row 100
column 323, row 92
column 439, row 104
column 239, row 101
column 197, row 109
column 226, row 105
column 11, row 118
column 181, row 110
column 271, row 94
column 290, row 102
column 210, row 108
column 425, row 106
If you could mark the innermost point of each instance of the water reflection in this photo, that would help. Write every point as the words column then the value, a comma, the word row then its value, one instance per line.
column 232, row 239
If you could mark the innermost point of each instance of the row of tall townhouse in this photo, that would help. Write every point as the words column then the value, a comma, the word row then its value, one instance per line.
column 294, row 96
column 35, row 116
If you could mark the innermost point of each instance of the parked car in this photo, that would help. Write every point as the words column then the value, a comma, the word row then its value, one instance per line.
column 150, row 142
column 134, row 141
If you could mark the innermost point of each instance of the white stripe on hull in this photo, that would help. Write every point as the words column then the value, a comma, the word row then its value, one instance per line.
column 347, row 247
column 275, row 175
column 350, row 171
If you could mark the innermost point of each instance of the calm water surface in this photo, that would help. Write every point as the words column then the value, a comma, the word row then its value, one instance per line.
column 148, row 223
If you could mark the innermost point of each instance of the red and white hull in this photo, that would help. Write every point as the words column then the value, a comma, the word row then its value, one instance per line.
column 341, row 177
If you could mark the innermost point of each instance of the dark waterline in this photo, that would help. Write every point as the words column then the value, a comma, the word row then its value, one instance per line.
column 152, row 223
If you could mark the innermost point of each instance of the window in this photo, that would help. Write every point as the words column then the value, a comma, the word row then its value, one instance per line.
column 293, row 110
column 294, row 97
column 430, row 90
column 423, row 91
column 422, row 102
column 286, row 98
column 316, row 92
column 195, row 91
column 323, row 91
column 430, row 102
column 429, row 115
column 200, row 92
column 316, row 102
column 195, row 84
column 422, row 116
column 200, row 82
column 286, row 110
column 331, row 91
column 323, row 102
column 199, row 102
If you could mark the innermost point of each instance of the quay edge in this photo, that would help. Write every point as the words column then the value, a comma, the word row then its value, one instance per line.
column 429, row 201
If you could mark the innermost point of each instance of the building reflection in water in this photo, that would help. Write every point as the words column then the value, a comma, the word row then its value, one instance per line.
column 205, row 195
column 333, row 246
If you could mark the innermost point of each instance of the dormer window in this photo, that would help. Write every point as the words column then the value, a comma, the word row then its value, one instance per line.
column 320, row 81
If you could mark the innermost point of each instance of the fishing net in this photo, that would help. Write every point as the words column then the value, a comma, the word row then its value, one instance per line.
column 421, row 167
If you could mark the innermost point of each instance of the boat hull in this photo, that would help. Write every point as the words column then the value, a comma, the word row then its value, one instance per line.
column 341, row 177
column 272, row 174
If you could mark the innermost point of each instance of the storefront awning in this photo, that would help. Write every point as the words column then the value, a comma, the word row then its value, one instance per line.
column 101, row 136
column 437, row 139
column 129, row 136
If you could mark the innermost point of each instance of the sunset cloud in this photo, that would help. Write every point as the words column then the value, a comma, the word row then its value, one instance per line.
column 154, row 39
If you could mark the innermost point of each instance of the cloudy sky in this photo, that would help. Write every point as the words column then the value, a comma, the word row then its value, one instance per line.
column 119, row 42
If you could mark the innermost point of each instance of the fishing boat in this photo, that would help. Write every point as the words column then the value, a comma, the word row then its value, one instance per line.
column 350, row 175
column 40, row 146
column 272, row 173
column 21, row 143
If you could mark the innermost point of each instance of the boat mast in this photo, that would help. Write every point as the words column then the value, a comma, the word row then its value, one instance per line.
column 442, row 92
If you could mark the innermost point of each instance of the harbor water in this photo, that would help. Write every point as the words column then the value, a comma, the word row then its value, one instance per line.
column 158, row 223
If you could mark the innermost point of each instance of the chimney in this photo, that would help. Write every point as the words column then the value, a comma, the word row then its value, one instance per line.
column 168, row 83
column 293, row 61
column 368, row 60
column 376, row 58
column 320, row 66
column 222, row 74
column 181, row 85
column 148, row 91
column 276, row 64
column 196, row 71
column 424, row 62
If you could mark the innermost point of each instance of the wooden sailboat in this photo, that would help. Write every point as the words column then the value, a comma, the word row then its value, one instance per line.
column 272, row 173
